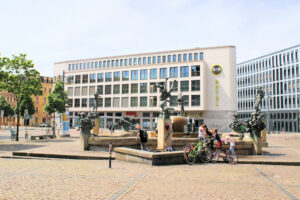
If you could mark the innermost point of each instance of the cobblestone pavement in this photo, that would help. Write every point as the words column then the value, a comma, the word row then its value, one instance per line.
column 75, row 179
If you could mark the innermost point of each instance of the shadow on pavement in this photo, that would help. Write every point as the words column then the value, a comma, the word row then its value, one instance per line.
column 18, row 147
column 266, row 153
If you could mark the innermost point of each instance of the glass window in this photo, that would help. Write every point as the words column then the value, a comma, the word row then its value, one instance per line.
column 144, row 60
column 143, row 87
column 112, row 63
column 175, row 87
column 70, row 80
column 108, row 63
column 116, row 102
column 144, row 74
column 190, row 57
column 100, row 89
column 91, row 102
column 184, row 86
column 80, row 66
column 134, row 88
column 174, row 58
column 104, row 64
column 184, row 71
column 169, row 58
column 124, row 102
column 153, row 89
column 134, row 102
column 100, row 77
column 140, row 61
column 117, row 63
column 195, row 70
column 84, row 65
column 108, row 89
column 88, row 65
column 186, row 100
column 196, row 85
column 84, row 102
column 143, row 102
column 91, row 90
column 130, row 61
column 134, row 61
column 164, row 59
column 100, row 102
column 125, row 75
column 196, row 56
column 96, row 65
column 201, row 56
column 184, row 57
column 108, row 76
column 153, row 101
column 163, row 73
column 77, row 102
column 92, row 65
column 77, row 66
column 116, row 76
column 92, row 78
column 173, row 101
column 77, row 79
column 195, row 100
column 85, row 78
column 100, row 64
column 174, row 72
column 125, row 88
column 154, row 60
column 158, row 59
column 126, row 62
column 134, row 75
column 121, row 62
column 116, row 89
column 70, row 91
column 69, row 68
column 149, row 60
column 153, row 73
column 70, row 102
column 77, row 91
column 107, row 102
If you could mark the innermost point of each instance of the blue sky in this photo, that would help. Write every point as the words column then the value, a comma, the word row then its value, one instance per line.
column 49, row 31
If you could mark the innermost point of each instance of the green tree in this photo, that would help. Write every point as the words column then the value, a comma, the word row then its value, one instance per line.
column 57, row 101
column 19, row 78
column 8, row 109
column 26, row 103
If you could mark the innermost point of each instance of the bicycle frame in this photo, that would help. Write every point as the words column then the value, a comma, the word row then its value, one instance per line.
column 195, row 152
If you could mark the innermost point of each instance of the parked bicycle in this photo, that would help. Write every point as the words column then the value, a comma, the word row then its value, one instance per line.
column 226, row 155
column 200, row 150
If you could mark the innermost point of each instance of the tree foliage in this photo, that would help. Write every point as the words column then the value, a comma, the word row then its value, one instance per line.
column 57, row 100
column 8, row 109
column 26, row 103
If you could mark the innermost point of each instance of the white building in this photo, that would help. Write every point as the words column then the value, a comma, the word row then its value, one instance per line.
column 278, row 74
column 206, row 77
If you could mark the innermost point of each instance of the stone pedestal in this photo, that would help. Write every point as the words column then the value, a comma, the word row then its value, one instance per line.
column 97, row 126
column 257, row 145
column 84, row 137
column 164, row 136
column 264, row 138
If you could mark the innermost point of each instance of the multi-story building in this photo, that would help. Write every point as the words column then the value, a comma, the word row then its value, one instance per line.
column 206, row 77
column 278, row 74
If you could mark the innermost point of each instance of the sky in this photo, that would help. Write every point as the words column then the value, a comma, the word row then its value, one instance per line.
column 50, row 31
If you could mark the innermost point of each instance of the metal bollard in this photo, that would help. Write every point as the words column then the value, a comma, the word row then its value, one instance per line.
column 110, row 152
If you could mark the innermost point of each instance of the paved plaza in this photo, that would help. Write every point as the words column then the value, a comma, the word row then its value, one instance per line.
column 43, row 178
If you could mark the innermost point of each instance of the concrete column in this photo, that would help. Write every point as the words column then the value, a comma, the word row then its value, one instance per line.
column 97, row 126
column 264, row 138
column 84, row 137
column 164, row 136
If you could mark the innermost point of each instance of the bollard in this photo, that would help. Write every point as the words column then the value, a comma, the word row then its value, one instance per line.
column 110, row 152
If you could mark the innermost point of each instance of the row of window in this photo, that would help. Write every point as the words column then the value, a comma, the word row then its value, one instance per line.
column 123, row 102
column 131, row 88
column 137, row 61
column 134, row 75
column 269, row 62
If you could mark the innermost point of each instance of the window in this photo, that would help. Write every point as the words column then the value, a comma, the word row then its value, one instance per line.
column 195, row 100
column 196, row 56
column 117, row 63
column 92, row 90
column 186, row 100
column 134, row 102
column 49, row 90
column 92, row 78
column 77, row 102
column 100, row 64
column 96, row 65
column 174, row 58
column 184, row 86
column 144, row 61
column 149, row 60
column 85, row 78
column 173, row 101
column 84, row 91
column 184, row 71
column 134, row 75
column 195, row 70
column 169, row 58
column 154, row 60
column 107, row 102
column 100, row 102
column 108, row 76
column 91, row 102
column 70, row 91
column 126, row 62
column 134, row 88
column 184, row 57
column 77, row 79
column 77, row 91
column 121, row 62
column 175, row 86
column 153, row 73
column 100, row 77
column 125, row 88
column 153, row 101
column 108, row 89
column 144, row 74
column 190, row 57
column 153, row 89
column 164, row 59
column 179, row 57
column 158, row 59
column 134, row 61
column 125, row 75
column 116, row 102
column 130, row 61
column 116, row 89
column 84, row 102
column 196, row 85
column 104, row 64
column 201, row 56
column 108, row 63
column 44, row 100
column 163, row 73
column 124, row 102
column 70, row 102
column 174, row 72
column 70, row 80
column 143, row 102
column 140, row 61
column 100, row 89
column 116, row 76
column 143, row 87
column 146, row 123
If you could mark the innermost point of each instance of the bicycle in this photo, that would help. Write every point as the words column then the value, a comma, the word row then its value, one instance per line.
column 193, row 151
column 226, row 155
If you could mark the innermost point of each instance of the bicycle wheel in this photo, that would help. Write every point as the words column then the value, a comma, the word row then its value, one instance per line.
column 188, row 155
column 205, row 155
column 232, row 159
column 214, row 156
column 225, row 158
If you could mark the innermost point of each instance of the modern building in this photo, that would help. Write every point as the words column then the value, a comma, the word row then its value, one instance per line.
column 206, row 77
column 278, row 74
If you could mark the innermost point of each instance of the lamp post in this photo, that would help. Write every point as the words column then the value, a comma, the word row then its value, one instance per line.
column 268, row 114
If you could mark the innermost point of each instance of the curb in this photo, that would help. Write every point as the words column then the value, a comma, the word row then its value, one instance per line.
column 45, row 155
column 287, row 163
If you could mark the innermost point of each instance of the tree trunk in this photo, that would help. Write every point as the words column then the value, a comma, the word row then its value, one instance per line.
column 53, row 128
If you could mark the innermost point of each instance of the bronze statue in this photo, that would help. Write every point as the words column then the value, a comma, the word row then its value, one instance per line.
column 181, row 103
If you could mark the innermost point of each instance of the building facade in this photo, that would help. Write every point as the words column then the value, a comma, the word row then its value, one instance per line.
column 278, row 74
column 206, row 78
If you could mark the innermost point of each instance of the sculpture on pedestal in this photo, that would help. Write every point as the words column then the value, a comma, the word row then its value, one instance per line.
column 181, row 103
